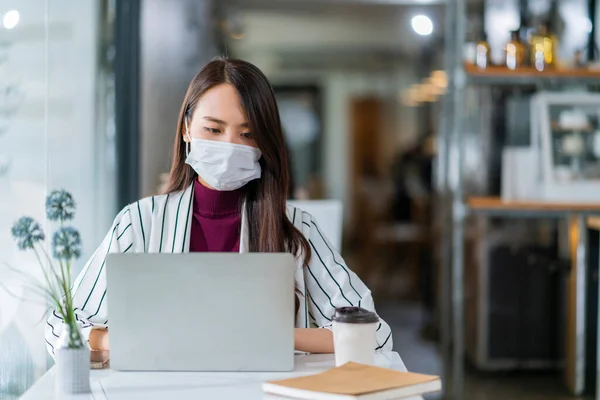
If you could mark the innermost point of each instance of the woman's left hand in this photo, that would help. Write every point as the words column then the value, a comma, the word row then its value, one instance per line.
column 313, row 340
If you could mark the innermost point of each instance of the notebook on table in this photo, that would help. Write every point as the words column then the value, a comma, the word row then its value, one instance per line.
column 355, row 381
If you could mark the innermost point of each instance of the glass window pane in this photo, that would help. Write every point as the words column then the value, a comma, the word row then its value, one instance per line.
column 56, row 131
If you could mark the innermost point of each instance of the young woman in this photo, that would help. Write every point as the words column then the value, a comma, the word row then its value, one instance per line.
column 227, row 193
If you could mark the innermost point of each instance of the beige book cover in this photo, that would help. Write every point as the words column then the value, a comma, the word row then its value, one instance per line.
column 354, row 381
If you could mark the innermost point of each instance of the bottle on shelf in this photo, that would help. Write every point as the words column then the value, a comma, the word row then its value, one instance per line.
column 482, row 59
column 544, row 46
column 515, row 51
column 470, row 50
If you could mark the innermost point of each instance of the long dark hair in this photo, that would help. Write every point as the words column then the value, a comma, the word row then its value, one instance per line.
column 269, row 229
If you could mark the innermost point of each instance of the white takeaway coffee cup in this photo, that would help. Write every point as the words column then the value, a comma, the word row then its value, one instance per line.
column 354, row 335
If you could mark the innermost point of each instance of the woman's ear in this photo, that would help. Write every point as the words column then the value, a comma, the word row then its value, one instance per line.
column 187, row 138
column 186, row 131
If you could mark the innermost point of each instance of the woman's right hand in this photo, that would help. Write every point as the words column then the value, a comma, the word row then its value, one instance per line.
column 99, row 345
column 99, row 340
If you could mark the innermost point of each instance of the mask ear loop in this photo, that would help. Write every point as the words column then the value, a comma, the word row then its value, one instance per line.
column 189, row 139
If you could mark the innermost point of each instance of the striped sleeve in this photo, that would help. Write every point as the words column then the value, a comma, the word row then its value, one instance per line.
column 89, row 289
column 331, row 284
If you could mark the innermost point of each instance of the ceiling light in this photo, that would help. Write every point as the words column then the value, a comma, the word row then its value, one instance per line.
column 422, row 25
column 10, row 19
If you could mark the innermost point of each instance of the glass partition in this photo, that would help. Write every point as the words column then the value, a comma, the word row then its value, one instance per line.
column 56, row 131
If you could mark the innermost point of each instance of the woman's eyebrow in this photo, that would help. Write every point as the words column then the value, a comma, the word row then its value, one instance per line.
column 221, row 122
column 215, row 120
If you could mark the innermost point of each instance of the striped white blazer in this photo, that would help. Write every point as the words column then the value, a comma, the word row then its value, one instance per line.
column 161, row 224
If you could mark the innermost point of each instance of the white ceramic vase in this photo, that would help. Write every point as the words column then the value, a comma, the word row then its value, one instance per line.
column 72, row 363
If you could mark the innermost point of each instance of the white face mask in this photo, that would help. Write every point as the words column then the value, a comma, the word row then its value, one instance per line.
column 224, row 166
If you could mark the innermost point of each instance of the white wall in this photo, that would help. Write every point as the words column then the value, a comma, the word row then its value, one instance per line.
column 273, row 36
column 52, row 140
column 399, row 126
column 339, row 87
column 368, row 29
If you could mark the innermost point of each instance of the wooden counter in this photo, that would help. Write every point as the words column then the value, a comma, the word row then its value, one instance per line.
column 594, row 223
column 496, row 203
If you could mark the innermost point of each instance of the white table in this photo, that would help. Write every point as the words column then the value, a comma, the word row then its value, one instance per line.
column 116, row 385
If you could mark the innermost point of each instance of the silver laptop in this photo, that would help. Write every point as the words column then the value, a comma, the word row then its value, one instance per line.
column 201, row 311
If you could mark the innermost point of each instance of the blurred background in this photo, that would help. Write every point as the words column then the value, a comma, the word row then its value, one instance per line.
column 461, row 138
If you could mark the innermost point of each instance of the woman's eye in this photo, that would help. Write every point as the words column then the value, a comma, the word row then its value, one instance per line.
column 247, row 135
column 214, row 131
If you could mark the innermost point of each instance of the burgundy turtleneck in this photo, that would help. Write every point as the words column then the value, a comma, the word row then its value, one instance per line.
column 216, row 220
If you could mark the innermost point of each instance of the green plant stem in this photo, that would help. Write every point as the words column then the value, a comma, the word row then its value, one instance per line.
column 61, row 292
column 51, row 265
column 53, row 292
column 75, row 339
column 69, row 314
column 69, row 276
column 64, row 284
column 65, row 288
column 65, row 272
